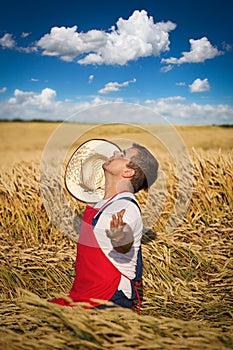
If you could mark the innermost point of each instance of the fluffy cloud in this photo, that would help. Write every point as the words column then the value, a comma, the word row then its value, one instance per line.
column 130, row 39
column 90, row 78
column 200, row 51
column 2, row 90
column 177, row 111
column 166, row 69
column 67, row 43
column 115, row 86
column 44, row 105
column 28, row 105
column 199, row 85
column 7, row 41
column 25, row 35
column 138, row 36
column 42, row 100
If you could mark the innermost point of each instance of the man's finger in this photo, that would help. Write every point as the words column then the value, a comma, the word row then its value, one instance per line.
column 121, row 212
column 120, row 221
column 120, row 217
column 114, row 221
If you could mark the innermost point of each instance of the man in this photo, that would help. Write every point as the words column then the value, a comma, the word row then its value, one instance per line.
column 109, row 263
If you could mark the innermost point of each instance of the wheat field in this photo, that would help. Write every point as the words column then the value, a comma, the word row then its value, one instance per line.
column 187, row 282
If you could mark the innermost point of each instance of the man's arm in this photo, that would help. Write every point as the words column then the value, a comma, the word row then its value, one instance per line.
column 120, row 233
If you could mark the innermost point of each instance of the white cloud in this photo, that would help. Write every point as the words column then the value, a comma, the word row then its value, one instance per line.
column 25, row 35
column 7, row 41
column 138, row 36
column 67, row 43
column 178, row 111
column 200, row 51
column 199, row 85
column 28, row 105
column 166, row 69
column 2, row 90
column 34, row 79
column 227, row 47
column 92, row 58
column 44, row 100
column 91, row 78
column 128, row 40
column 115, row 86
column 45, row 105
column 181, row 83
column 29, row 49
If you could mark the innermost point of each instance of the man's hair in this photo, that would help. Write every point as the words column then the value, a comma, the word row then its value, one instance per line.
column 145, row 166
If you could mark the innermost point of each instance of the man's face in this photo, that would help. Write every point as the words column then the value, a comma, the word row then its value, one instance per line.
column 119, row 160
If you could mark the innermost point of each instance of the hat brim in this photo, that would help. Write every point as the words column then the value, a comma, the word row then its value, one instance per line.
column 86, row 162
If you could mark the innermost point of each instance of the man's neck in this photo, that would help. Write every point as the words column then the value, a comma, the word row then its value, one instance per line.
column 113, row 187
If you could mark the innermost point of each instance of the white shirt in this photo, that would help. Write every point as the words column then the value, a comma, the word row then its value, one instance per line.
column 125, row 263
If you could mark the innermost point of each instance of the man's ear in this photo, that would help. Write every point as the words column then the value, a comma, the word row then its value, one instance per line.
column 127, row 173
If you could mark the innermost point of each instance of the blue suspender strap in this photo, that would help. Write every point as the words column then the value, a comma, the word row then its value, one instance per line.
column 137, row 281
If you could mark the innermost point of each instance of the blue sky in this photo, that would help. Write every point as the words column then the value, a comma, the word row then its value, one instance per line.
column 60, row 57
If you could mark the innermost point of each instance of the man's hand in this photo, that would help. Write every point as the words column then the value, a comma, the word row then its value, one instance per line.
column 120, row 233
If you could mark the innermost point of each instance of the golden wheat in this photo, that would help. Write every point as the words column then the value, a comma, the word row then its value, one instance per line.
column 187, row 299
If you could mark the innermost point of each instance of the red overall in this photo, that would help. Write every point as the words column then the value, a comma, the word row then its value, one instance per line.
column 96, row 277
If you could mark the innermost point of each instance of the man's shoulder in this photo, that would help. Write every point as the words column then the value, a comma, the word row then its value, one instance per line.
column 124, row 200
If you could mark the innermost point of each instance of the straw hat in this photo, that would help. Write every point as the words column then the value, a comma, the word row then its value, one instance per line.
column 84, row 175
